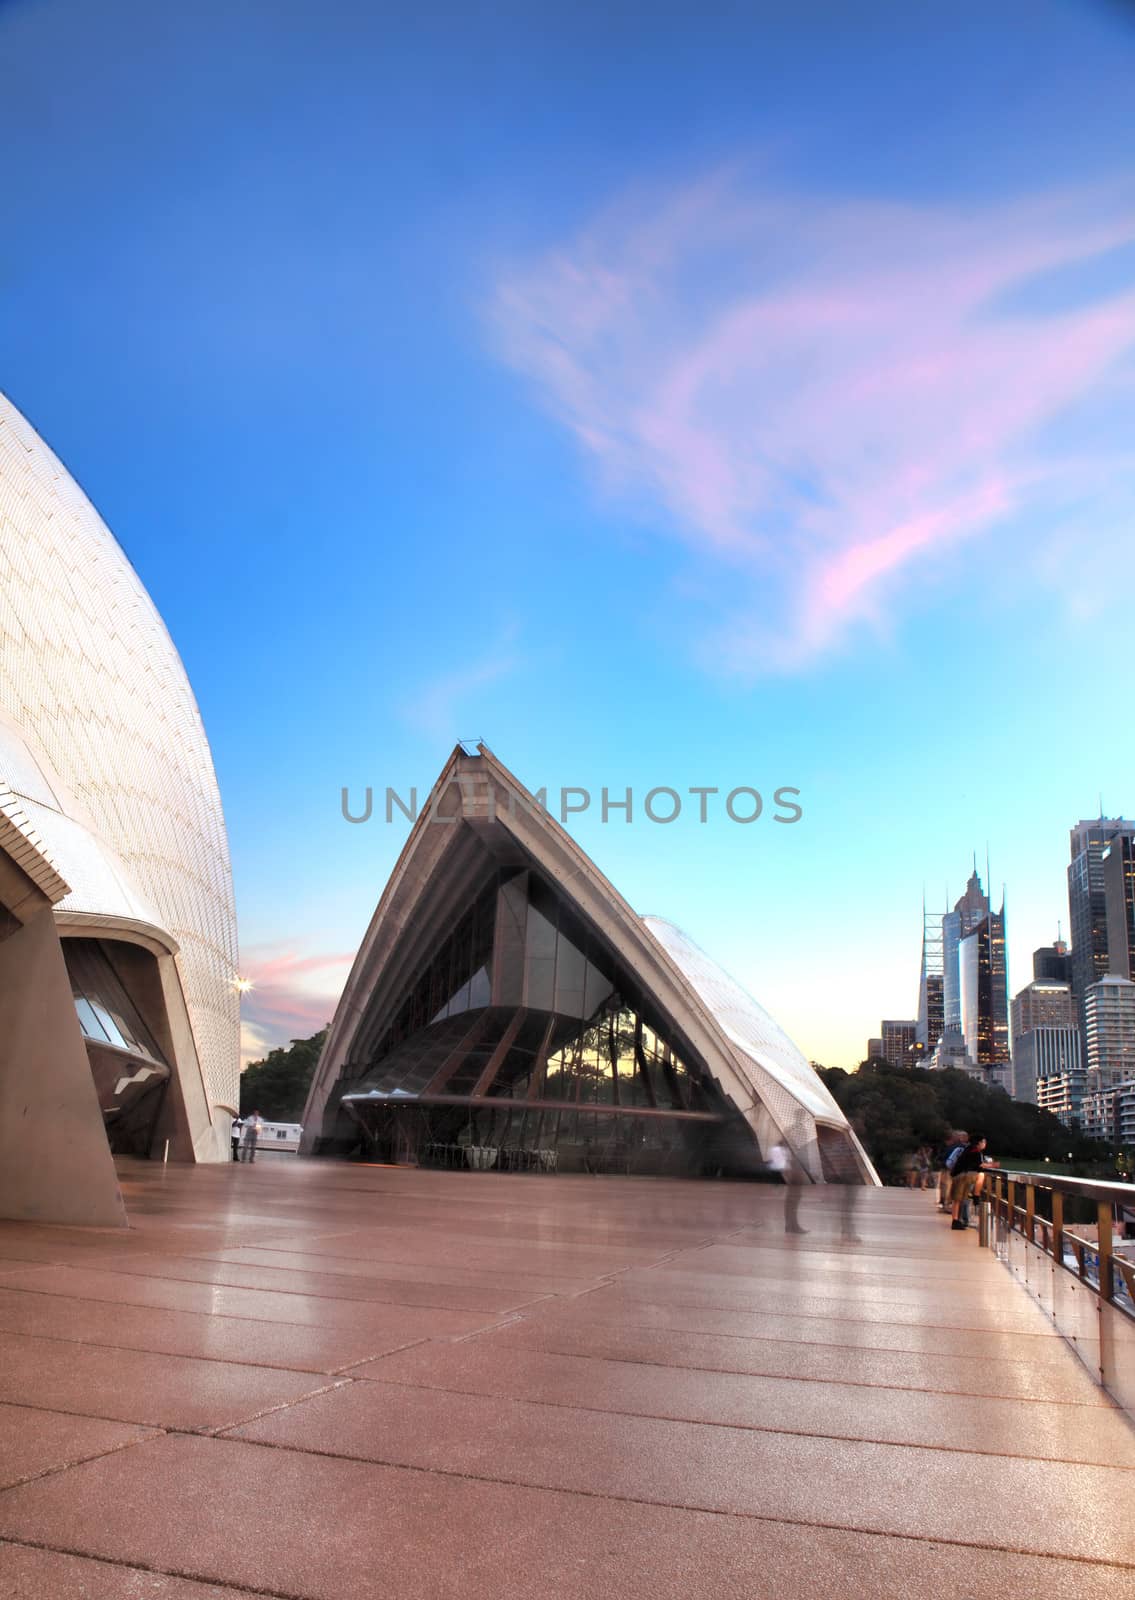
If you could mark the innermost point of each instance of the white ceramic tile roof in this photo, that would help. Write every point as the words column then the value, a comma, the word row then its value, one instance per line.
column 92, row 681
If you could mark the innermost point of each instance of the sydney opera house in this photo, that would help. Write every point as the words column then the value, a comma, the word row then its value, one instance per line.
column 509, row 1010
column 118, row 1006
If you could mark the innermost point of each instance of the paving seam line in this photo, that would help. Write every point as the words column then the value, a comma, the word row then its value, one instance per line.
column 141, row 1566
column 151, row 1434
column 705, row 1511
column 768, row 1338
column 1105, row 1403
column 229, row 1316
column 701, row 1422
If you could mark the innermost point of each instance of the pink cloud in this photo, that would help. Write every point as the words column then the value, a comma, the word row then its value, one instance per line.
column 818, row 395
column 292, row 996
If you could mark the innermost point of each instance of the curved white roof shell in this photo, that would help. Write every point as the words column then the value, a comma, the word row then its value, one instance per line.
column 102, row 744
column 749, row 1028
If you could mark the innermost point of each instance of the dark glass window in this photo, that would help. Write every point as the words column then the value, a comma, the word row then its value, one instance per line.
column 106, row 1013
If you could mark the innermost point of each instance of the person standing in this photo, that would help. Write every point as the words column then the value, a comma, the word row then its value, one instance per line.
column 252, row 1130
column 782, row 1160
column 235, row 1131
column 953, row 1148
column 968, row 1178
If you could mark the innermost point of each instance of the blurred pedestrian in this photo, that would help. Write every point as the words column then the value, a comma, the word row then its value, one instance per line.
column 253, row 1128
column 782, row 1159
column 955, row 1144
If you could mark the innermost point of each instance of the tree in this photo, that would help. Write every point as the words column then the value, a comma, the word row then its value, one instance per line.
column 277, row 1086
column 896, row 1109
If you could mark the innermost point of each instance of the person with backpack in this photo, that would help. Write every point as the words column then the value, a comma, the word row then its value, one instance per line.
column 969, row 1178
column 955, row 1144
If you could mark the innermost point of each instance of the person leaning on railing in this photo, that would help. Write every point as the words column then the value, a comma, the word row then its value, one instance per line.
column 951, row 1150
column 969, row 1177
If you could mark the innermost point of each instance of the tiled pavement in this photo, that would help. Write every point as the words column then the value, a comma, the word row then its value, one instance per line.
column 335, row 1382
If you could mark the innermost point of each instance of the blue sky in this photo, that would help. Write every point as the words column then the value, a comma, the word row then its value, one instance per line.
column 738, row 394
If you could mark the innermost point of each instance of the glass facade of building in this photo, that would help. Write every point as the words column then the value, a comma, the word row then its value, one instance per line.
column 1087, row 902
column 1118, row 863
column 129, row 1068
column 984, row 992
column 521, row 1043
column 508, row 1009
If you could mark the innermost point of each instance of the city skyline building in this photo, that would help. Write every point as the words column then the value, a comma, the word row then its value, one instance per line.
column 1118, row 862
column 1048, row 1052
column 1041, row 1004
column 1055, row 1058
column 931, row 1017
column 1052, row 963
column 1087, row 903
column 951, row 1052
column 1109, row 1032
column 969, row 911
column 1109, row 1114
column 1041, row 1015
column 983, row 982
column 898, row 1040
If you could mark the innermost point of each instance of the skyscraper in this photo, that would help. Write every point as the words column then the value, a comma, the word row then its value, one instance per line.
column 898, row 1038
column 1118, row 862
column 1045, row 1038
column 957, row 924
column 984, row 995
column 1109, row 1032
column 1042, row 1005
column 1052, row 963
column 1087, row 901
column 1052, row 1057
column 930, row 1014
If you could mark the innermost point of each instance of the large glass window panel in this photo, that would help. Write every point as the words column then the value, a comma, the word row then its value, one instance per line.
column 106, row 1013
column 88, row 1020
column 540, row 984
column 540, row 962
column 110, row 1027
column 571, row 969
column 596, row 989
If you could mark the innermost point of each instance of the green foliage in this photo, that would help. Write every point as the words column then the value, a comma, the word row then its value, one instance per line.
column 277, row 1086
column 894, row 1110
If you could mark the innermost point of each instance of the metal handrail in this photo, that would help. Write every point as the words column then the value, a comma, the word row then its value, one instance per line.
column 1054, row 1239
column 1090, row 1188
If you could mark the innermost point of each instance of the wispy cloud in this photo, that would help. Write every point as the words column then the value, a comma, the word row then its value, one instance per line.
column 818, row 395
column 292, row 996
column 441, row 705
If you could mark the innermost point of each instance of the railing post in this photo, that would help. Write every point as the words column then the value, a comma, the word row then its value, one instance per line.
column 1010, row 1204
column 1058, row 1227
column 1030, row 1210
column 1103, row 1232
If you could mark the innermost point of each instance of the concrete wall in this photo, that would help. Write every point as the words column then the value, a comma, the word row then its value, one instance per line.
column 55, row 1163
